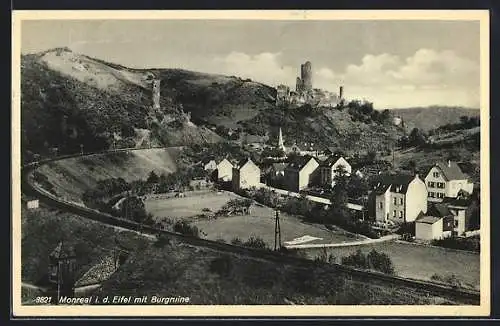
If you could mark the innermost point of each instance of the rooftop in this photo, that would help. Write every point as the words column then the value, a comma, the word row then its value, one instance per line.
column 428, row 219
column 397, row 183
column 299, row 162
column 451, row 171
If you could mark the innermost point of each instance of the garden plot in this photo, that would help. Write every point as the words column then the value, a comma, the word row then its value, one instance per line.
column 259, row 223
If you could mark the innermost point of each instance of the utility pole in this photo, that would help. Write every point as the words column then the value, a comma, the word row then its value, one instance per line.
column 277, row 232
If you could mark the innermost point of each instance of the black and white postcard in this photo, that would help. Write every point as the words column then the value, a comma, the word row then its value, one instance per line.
column 250, row 163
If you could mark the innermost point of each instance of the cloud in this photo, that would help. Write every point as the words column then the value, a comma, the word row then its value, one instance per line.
column 425, row 78
column 263, row 67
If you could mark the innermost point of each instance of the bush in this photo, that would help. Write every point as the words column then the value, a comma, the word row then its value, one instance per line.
column 470, row 244
column 186, row 229
column 254, row 242
column 374, row 260
column 236, row 241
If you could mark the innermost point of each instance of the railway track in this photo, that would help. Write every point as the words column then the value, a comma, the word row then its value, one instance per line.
column 464, row 296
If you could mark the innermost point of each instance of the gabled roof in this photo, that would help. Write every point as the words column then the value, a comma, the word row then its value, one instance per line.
column 242, row 162
column 207, row 159
column 299, row 162
column 225, row 159
column 428, row 219
column 438, row 210
column 397, row 183
column 451, row 171
column 330, row 161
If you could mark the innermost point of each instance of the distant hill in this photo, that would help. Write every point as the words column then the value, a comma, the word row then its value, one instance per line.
column 69, row 99
column 431, row 117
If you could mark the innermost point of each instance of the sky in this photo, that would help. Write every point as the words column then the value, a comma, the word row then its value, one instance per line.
column 394, row 64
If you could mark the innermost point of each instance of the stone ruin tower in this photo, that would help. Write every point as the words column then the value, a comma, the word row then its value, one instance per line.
column 306, row 76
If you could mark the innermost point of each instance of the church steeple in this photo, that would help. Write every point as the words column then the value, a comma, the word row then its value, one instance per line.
column 281, row 145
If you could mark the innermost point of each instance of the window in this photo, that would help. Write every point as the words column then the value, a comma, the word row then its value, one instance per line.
column 394, row 214
column 431, row 194
column 381, row 205
column 440, row 185
column 400, row 214
column 440, row 195
column 395, row 201
column 401, row 201
column 430, row 184
column 455, row 224
column 435, row 174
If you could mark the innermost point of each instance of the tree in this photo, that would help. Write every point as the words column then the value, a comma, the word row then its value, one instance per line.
column 356, row 186
column 338, row 209
column 153, row 177
column 417, row 137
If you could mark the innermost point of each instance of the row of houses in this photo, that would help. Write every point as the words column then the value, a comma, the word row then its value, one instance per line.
column 439, row 204
column 298, row 174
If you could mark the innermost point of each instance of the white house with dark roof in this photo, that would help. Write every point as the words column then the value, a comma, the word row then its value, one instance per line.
column 209, row 164
column 400, row 198
column 446, row 180
column 246, row 174
column 299, row 173
column 328, row 169
column 438, row 223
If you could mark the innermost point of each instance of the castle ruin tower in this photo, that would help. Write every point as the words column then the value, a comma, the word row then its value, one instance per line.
column 156, row 94
column 298, row 85
column 306, row 76
column 281, row 145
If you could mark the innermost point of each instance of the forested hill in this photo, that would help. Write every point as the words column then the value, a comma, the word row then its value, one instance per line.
column 69, row 99
column 427, row 118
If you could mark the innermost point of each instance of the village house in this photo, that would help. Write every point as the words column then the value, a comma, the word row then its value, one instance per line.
column 209, row 164
column 442, row 220
column 328, row 169
column 300, row 173
column 446, row 180
column 225, row 170
column 398, row 198
column 246, row 174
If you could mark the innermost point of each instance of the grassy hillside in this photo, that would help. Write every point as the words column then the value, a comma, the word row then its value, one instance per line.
column 71, row 177
column 212, row 277
column 69, row 99
column 325, row 128
column 427, row 118
column 216, row 99
column 43, row 229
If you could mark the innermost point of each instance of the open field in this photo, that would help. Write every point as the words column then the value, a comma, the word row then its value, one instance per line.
column 71, row 177
column 418, row 262
column 192, row 204
column 209, row 276
column 260, row 223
